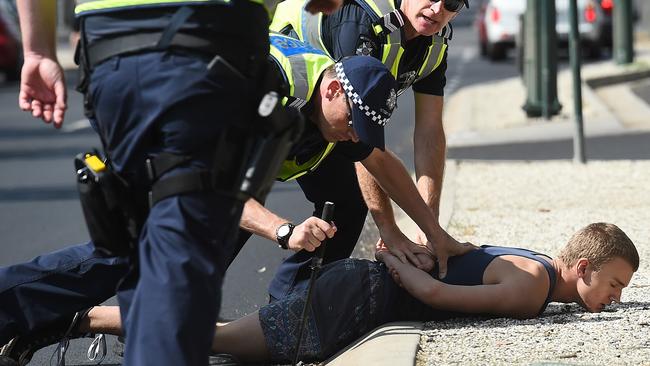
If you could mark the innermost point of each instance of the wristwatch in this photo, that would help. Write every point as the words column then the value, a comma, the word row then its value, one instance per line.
column 283, row 233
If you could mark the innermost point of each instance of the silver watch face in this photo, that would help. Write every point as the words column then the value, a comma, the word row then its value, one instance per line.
column 283, row 230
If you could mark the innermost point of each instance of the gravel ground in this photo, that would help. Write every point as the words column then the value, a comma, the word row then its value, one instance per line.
column 539, row 206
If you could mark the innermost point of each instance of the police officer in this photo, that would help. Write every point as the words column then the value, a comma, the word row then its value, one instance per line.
column 160, row 77
column 410, row 37
column 306, row 71
column 347, row 105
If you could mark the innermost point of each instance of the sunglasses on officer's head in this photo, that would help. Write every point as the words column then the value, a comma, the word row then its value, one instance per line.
column 453, row 6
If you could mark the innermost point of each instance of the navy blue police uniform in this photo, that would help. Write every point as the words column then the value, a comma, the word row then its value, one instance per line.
column 167, row 100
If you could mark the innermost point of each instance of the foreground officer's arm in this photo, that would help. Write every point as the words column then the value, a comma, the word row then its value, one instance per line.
column 391, row 174
column 42, row 85
column 258, row 220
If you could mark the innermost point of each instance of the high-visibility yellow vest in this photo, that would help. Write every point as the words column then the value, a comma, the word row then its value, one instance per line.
column 302, row 66
column 308, row 28
column 92, row 6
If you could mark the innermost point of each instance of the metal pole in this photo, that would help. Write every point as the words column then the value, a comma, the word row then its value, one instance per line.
column 623, row 38
column 544, row 59
column 574, row 53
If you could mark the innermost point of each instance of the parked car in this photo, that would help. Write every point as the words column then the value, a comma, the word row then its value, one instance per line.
column 594, row 23
column 498, row 25
column 10, row 49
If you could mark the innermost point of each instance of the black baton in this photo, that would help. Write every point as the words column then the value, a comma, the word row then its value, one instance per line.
column 316, row 262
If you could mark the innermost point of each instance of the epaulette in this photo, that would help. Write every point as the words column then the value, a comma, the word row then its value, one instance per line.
column 447, row 32
column 388, row 23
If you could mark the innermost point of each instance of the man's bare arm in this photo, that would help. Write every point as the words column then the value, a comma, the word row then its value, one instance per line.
column 42, row 84
column 504, row 299
column 308, row 235
column 391, row 174
column 382, row 213
column 430, row 146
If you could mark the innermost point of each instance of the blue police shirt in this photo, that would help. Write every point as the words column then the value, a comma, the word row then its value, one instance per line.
column 349, row 32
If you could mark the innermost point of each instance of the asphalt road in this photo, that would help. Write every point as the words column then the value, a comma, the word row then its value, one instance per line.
column 39, row 211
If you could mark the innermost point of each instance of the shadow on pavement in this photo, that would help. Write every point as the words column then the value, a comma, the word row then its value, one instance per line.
column 43, row 153
column 38, row 194
column 38, row 131
column 617, row 147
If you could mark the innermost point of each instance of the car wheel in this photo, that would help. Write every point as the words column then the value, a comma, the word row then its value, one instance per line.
column 496, row 51
column 593, row 51
column 482, row 48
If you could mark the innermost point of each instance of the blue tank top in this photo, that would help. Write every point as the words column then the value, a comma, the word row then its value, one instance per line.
column 466, row 270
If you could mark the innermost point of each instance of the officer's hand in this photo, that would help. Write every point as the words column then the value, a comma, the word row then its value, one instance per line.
column 310, row 234
column 444, row 246
column 42, row 89
column 404, row 249
column 325, row 6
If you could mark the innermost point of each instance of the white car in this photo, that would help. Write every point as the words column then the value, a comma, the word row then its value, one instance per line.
column 498, row 24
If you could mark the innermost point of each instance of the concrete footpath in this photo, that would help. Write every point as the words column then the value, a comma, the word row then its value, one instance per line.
column 537, row 205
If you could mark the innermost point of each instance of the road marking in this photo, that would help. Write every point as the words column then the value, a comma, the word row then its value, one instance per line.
column 81, row 124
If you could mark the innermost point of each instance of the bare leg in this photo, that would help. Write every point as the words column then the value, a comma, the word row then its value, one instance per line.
column 242, row 338
column 102, row 319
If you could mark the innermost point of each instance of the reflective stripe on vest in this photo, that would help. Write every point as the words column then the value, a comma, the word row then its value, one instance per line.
column 302, row 66
column 308, row 28
column 290, row 169
column 87, row 6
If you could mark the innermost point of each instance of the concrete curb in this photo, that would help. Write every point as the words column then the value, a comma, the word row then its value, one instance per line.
column 391, row 344
column 617, row 79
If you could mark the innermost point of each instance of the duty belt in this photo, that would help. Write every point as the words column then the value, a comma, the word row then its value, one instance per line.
column 140, row 42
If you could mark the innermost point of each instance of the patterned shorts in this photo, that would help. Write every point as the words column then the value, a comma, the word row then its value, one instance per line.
column 346, row 303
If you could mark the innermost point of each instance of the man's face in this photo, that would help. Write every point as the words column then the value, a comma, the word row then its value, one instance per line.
column 598, row 289
column 427, row 17
column 337, row 112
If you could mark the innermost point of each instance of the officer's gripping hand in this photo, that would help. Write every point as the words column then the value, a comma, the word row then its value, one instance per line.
column 310, row 234
column 324, row 6
column 444, row 246
column 406, row 250
column 42, row 89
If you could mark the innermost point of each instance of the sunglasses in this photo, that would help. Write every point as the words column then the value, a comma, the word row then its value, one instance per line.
column 347, row 101
column 453, row 6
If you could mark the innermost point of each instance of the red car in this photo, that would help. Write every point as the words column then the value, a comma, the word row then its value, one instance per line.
column 10, row 50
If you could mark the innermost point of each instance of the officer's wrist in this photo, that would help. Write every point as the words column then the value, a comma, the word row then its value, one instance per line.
column 283, row 233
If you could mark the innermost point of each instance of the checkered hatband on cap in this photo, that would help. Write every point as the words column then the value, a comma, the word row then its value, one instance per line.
column 356, row 99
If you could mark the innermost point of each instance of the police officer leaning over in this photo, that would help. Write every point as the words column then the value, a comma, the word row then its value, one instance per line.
column 163, row 78
column 347, row 105
column 411, row 38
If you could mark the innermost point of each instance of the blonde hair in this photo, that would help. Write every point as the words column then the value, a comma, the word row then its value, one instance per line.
column 600, row 243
